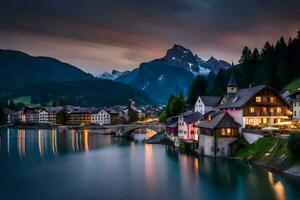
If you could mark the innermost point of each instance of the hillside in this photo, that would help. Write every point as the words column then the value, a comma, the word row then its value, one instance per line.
column 294, row 85
column 82, row 93
column 18, row 69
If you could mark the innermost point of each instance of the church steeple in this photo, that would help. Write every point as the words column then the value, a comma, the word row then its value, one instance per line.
column 232, row 85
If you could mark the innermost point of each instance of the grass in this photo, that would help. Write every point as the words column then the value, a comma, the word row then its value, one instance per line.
column 257, row 149
column 23, row 99
column 294, row 85
column 269, row 151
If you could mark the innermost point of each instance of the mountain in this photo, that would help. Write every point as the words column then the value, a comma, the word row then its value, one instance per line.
column 18, row 69
column 82, row 93
column 111, row 76
column 44, row 80
column 166, row 76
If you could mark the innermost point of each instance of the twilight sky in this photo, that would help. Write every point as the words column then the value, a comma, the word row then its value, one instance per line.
column 98, row 35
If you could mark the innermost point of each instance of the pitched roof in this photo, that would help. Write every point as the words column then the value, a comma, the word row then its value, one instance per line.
column 221, row 120
column 241, row 97
column 192, row 117
column 55, row 109
column 210, row 100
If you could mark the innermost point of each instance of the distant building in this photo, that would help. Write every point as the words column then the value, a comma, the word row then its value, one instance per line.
column 205, row 104
column 100, row 117
column 43, row 116
column 30, row 115
column 56, row 115
column 79, row 116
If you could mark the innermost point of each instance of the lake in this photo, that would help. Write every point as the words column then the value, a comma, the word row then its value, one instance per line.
column 52, row 164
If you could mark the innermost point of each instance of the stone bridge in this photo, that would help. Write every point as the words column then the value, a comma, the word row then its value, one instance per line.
column 126, row 129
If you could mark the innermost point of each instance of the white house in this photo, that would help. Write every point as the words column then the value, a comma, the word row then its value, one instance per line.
column 205, row 104
column 100, row 117
column 295, row 103
column 43, row 116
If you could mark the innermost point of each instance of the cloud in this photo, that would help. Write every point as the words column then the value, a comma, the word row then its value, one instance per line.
column 101, row 34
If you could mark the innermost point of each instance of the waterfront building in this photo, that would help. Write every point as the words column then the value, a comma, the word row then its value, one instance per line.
column 43, row 116
column 79, row 116
column 187, row 122
column 217, row 134
column 30, row 115
column 205, row 104
column 56, row 115
column 255, row 107
column 295, row 104
column 100, row 117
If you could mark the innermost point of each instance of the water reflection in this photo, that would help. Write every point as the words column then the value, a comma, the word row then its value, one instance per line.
column 140, row 135
column 231, row 178
column 40, row 143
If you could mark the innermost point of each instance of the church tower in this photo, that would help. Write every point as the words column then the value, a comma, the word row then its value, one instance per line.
column 232, row 87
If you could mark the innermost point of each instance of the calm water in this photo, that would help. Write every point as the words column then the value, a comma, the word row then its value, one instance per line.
column 48, row 164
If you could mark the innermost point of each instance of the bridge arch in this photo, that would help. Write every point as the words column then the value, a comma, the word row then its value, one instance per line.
column 153, row 128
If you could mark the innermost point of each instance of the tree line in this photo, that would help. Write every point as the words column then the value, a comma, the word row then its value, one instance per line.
column 274, row 65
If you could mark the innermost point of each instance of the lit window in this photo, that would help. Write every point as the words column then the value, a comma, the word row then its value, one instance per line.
column 249, row 121
column 272, row 99
column 251, row 109
column 264, row 109
column 278, row 110
column 264, row 120
column 223, row 131
column 271, row 110
column 258, row 99
column 228, row 131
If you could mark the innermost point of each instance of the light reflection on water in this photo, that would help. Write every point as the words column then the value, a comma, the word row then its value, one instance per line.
column 75, row 165
column 30, row 143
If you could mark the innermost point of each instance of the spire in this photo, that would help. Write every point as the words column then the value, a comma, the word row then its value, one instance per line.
column 232, row 81
column 232, row 87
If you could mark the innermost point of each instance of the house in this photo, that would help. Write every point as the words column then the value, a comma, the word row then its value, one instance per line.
column 255, row 107
column 30, row 115
column 205, row 104
column 43, row 116
column 295, row 104
column 56, row 115
column 79, row 116
column 100, row 117
column 172, row 126
column 114, row 115
column 13, row 116
column 187, row 122
column 217, row 134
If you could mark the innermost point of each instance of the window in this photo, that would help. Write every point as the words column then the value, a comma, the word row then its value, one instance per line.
column 278, row 110
column 295, row 113
column 272, row 99
column 249, row 120
column 271, row 110
column 264, row 109
column 264, row 120
column 223, row 131
column 228, row 131
column 192, row 132
column 258, row 99
column 265, row 99
column 251, row 110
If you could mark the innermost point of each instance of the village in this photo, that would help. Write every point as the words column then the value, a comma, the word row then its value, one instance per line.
column 82, row 116
column 216, row 123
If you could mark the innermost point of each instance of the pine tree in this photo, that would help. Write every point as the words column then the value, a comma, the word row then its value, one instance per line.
column 198, row 87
